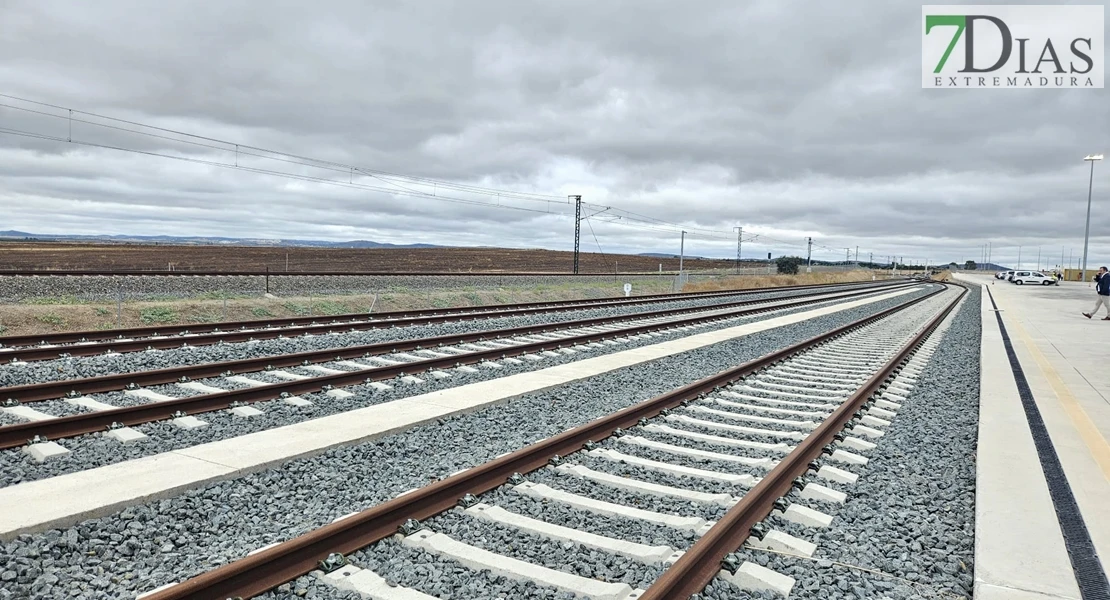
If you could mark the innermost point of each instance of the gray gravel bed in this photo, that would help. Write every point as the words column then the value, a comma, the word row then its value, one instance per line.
column 443, row 578
column 633, row 530
column 674, row 440
column 92, row 366
column 536, row 549
column 702, row 416
column 687, row 461
column 755, row 437
column 92, row 451
column 911, row 513
column 57, row 408
column 6, row 419
column 279, row 503
column 644, row 474
column 600, row 491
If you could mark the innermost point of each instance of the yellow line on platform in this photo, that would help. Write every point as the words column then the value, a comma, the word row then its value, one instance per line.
column 1091, row 436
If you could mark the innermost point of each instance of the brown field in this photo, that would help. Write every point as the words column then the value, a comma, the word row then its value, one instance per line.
column 19, row 255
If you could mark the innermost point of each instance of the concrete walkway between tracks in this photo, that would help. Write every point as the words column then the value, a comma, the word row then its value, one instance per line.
column 1020, row 546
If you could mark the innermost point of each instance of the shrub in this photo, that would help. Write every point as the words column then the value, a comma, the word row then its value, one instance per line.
column 50, row 319
column 157, row 314
column 261, row 312
column 788, row 265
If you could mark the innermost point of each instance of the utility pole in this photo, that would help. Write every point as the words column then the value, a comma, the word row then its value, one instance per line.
column 857, row 255
column 847, row 255
column 681, row 253
column 871, row 258
column 739, row 232
column 809, row 254
column 1038, row 258
column 577, row 227
column 989, row 248
column 1019, row 257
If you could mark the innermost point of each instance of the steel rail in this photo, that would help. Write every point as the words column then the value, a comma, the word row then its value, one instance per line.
column 26, row 343
column 267, row 569
column 12, row 436
column 702, row 561
column 106, row 383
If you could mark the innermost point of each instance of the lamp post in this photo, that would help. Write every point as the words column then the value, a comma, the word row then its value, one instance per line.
column 1087, row 228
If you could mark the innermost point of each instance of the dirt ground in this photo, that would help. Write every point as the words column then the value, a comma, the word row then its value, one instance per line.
column 44, row 316
column 20, row 255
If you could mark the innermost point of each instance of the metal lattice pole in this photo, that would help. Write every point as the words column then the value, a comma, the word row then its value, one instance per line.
column 577, row 228
column 739, row 232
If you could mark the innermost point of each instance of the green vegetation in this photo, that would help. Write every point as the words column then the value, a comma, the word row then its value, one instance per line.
column 300, row 310
column 261, row 312
column 102, row 312
column 157, row 314
column 788, row 265
column 206, row 317
column 325, row 307
column 51, row 319
column 472, row 298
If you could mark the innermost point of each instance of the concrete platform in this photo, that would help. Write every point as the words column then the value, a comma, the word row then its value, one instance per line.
column 1020, row 550
column 84, row 495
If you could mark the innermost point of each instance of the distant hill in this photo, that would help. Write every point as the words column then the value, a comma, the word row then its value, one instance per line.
column 203, row 241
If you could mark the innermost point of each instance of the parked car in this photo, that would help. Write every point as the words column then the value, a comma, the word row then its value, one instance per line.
column 1007, row 275
column 1034, row 277
column 1001, row 274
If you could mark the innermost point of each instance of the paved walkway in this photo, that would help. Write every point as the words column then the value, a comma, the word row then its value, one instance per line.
column 1020, row 550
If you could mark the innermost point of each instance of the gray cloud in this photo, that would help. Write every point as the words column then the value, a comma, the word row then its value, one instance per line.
column 792, row 119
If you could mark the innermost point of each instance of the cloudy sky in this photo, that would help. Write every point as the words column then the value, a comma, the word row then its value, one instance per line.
column 790, row 119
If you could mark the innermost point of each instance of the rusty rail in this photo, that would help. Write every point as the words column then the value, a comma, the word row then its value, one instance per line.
column 23, row 345
column 270, row 568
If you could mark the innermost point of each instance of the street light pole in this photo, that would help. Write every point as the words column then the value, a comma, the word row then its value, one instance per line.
column 1087, row 228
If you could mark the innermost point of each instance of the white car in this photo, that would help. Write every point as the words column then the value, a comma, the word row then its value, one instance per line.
column 1034, row 277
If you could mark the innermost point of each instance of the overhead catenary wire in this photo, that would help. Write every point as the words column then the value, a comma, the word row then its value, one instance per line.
column 239, row 150
column 389, row 182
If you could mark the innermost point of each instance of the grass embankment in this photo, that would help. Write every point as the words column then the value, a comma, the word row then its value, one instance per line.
column 51, row 315
column 747, row 282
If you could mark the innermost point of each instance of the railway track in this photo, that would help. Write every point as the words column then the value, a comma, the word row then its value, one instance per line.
column 90, row 343
column 675, row 484
column 427, row 357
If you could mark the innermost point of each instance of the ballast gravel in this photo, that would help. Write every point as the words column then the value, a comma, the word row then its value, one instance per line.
column 146, row 546
column 96, row 450
column 146, row 287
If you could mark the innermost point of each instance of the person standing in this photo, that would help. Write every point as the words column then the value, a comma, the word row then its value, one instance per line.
column 1102, row 287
